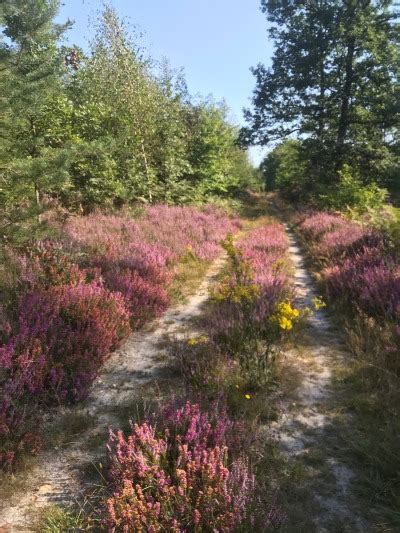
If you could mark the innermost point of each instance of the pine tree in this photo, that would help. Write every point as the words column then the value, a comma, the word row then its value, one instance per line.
column 333, row 83
column 31, row 66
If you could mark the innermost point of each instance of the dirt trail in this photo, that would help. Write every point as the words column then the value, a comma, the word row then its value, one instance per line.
column 142, row 359
column 306, row 430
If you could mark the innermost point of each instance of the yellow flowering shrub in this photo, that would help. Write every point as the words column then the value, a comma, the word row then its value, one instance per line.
column 285, row 315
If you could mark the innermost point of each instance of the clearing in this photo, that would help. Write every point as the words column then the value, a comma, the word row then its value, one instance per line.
column 304, row 435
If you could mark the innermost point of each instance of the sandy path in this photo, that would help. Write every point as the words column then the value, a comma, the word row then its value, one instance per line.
column 142, row 359
column 306, row 430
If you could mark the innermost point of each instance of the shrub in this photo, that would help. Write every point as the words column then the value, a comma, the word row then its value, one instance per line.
column 66, row 304
column 20, row 429
column 145, row 300
column 137, row 257
column 248, row 300
column 207, row 428
column 62, row 337
column 369, row 281
column 315, row 224
column 352, row 193
column 284, row 168
column 176, row 478
column 71, row 329
column 348, row 241
column 362, row 275
column 170, row 229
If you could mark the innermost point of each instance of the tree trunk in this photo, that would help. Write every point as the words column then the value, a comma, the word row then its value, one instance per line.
column 37, row 193
column 344, row 117
column 34, row 153
column 146, row 166
column 321, row 110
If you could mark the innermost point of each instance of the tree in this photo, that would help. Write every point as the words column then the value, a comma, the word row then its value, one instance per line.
column 105, row 128
column 283, row 168
column 31, row 78
column 333, row 83
column 212, row 145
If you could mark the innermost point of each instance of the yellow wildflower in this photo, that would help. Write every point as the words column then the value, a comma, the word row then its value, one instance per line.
column 192, row 342
column 318, row 303
column 287, row 310
column 285, row 323
column 247, row 396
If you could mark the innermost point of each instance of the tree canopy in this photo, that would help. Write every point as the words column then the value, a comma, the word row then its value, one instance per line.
column 333, row 84
column 110, row 126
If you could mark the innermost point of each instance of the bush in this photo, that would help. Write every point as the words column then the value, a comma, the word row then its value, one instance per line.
column 66, row 304
column 351, row 193
column 53, row 353
column 248, row 317
column 284, row 169
column 167, row 231
column 70, row 329
column 177, row 478
column 361, row 274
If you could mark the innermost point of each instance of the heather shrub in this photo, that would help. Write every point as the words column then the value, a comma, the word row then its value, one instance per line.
column 43, row 264
column 67, row 303
column 200, row 230
column 361, row 274
column 315, row 224
column 201, row 362
column 349, row 240
column 17, row 275
column 144, row 299
column 332, row 238
column 58, row 263
column 170, row 229
column 62, row 337
column 179, row 477
column 369, row 281
column 138, row 257
column 190, row 424
column 362, row 269
column 250, row 314
column 20, row 428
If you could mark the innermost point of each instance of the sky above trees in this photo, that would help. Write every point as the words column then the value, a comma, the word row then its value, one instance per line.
column 215, row 42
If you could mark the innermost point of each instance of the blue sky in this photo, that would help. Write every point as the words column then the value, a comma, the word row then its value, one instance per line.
column 215, row 41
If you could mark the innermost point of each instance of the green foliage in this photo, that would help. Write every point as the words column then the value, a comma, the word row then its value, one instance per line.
column 111, row 127
column 93, row 172
column 56, row 520
column 386, row 220
column 284, row 168
column 218, row 165
column 31, row 75
column 333, row 83
column 353, row 194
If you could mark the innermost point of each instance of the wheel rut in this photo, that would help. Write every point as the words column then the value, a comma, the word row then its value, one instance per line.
column 306, row 431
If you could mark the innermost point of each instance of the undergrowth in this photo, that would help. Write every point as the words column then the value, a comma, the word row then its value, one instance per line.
column 357, row 265
column 68, row 302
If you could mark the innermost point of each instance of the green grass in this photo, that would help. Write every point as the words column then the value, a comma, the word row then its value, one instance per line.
column 190, row 274
column 373, row 442
column 54, row 519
